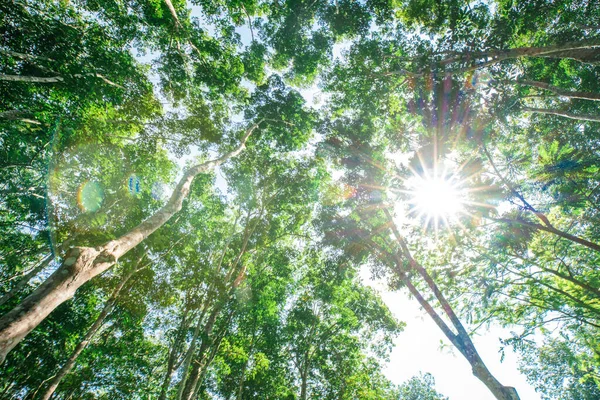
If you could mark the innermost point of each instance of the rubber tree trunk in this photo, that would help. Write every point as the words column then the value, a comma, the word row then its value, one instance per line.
column 70, row 363
column 81, row 264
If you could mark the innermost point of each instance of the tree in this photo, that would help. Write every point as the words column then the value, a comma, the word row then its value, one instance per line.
column 249, row 287
column 420, row 387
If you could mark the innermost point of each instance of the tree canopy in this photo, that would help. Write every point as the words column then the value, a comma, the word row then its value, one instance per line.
column 178, row 220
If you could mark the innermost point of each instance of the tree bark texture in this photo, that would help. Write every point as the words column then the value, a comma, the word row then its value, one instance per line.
column 81, row 264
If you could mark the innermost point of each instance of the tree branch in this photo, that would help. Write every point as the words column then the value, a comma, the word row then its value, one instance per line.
column 561, row 92
column 565, row 114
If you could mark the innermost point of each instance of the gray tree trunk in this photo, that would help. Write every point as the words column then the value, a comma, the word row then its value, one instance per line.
column 173, row 354
column 81, row 264
column 461, row 339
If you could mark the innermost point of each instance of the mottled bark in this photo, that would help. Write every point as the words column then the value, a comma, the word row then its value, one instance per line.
column 81, row 264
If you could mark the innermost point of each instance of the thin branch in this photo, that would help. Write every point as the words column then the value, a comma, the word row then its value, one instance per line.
column 249, row 21
column 53, row 79
column 560, row 91
column 565, row 114
column 173, row 13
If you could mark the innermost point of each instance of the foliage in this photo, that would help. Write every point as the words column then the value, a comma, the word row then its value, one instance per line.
column 252, row 289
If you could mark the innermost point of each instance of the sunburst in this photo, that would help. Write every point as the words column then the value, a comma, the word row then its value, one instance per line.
column 436, row 197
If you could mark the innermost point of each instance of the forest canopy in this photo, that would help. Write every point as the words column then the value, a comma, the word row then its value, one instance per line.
column 192, row 194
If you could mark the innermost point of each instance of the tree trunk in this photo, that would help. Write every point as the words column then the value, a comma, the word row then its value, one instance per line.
column 18, row 115
column 565, row 114
column 547, row 225
column 173, row 13
column 240, row 390
column 207, row 361
column 200, row 364
column 584, row 55
column 25, row 279
column 81, row 264
column 304, row 383
column 70, row 363
column 561, row 92
column 173, row 354
column 189, row 355
column 463, row 343
column 245, row 367
column 189, row 385
column 461, row 339
column 587, row 52
column 553, row 230
column 31, row 79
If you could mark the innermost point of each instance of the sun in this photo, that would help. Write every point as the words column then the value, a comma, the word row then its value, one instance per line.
column 439, row 199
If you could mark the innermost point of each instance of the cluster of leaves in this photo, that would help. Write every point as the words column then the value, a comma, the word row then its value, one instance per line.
column 251, row 290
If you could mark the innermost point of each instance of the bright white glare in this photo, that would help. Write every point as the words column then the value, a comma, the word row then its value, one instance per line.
column 436, row 198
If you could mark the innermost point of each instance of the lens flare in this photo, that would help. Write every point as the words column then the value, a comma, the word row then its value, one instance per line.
column 134, row 185
column 90, row 196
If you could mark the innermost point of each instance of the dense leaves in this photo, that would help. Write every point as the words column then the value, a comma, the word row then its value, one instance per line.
column 165, row 158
